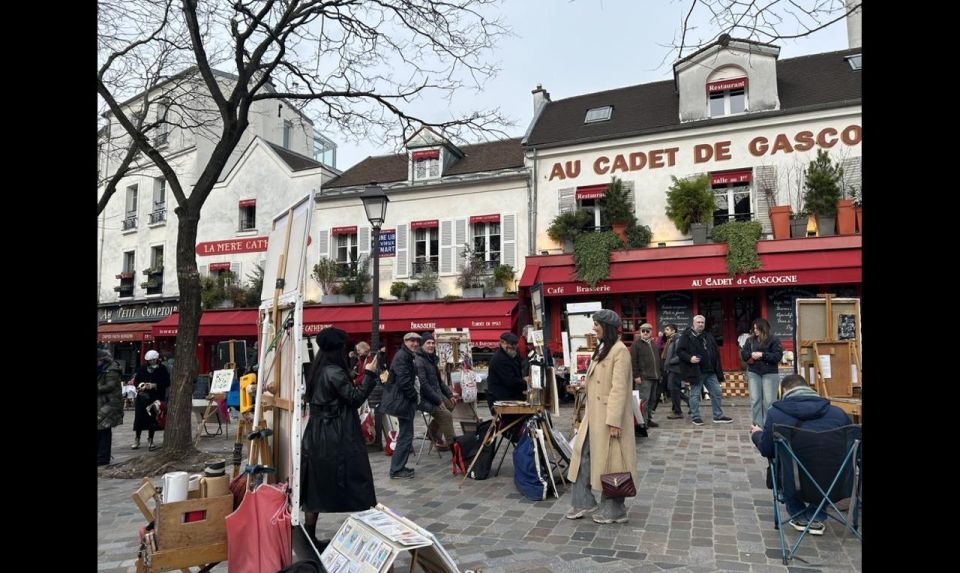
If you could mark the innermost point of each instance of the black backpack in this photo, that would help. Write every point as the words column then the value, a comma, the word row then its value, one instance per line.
column 481, row 469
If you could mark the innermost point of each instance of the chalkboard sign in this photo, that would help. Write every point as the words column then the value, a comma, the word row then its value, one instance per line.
column 676, row 308
column 781, row 309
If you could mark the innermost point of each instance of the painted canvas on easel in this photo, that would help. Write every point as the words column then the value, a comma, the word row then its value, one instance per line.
column 846, row 327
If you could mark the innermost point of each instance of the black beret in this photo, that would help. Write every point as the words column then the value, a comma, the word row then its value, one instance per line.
column 509, row 338
column 331, row 338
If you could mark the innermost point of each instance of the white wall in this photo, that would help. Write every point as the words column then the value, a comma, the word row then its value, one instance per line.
column 651, row 184
column 447, row 203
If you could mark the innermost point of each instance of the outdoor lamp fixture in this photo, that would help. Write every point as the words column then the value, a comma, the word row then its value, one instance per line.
column 375, row 204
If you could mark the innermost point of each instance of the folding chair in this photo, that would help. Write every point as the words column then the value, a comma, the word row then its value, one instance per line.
column 818, row 468
column 424, row 438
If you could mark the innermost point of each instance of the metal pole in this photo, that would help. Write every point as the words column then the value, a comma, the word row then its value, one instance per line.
column 375, row 320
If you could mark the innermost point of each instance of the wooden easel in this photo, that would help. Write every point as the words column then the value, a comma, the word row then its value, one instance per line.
column 212, row 406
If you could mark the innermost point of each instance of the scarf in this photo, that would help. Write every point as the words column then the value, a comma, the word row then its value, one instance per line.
column 799, row 391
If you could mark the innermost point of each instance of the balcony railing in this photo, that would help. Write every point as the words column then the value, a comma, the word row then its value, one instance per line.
column 158, row 216
column 130, row 223
column 421, row 267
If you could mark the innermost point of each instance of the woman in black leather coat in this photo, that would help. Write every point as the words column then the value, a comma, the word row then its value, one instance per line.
column 335, row 474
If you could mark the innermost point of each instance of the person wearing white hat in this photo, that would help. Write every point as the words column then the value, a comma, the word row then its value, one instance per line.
column 153, row 379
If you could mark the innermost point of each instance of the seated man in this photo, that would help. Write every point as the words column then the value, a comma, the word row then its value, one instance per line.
column 800, row 407
column 505, row 379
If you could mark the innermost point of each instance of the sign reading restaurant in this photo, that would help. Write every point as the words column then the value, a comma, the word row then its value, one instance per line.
column 717, row 151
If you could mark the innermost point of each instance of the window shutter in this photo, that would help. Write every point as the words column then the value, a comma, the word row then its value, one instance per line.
column 764, row 192
column 446, row 247
column 568, row 199
column 851, row 176
column 508, row 227
column 403, row 266
column 332, row 251
column 363, row 243
column 460, row 241
column 631, row 196
column 235, row 269
column 202, row 269
column 323, row 243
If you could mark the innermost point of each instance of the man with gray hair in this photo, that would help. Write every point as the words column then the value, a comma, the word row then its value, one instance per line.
column 700, row 365
column 401, row 394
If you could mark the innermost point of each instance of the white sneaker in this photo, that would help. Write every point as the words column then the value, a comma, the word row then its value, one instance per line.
column 136, row 445
column 578, row 513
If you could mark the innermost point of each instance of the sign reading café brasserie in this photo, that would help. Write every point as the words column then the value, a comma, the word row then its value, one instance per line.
column 718, row 151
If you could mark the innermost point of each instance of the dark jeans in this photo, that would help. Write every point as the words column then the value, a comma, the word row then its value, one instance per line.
column 676, row 392
column 104, row 440
column 404, row 445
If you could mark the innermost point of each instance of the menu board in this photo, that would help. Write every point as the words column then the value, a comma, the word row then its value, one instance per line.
column 781, row 309
column 675, row 308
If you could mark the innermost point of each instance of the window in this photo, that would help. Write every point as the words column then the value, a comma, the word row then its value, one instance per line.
column 287, row 133
column 486, row 242
column 855, row 61
column 426, row 169
column 130, row 214
column 154, row 284
column 598, row 114
column 163, row 128
column 634, row 313
column 125, row 288
column 159, row 212
column 346, row 253
column 727, row 96
column 324, row 150
column 248, row 216
column 129, row 262
column 733, row 202
column 426, row 250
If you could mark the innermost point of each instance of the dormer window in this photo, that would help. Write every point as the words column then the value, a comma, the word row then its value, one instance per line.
column 856, row 62
column 727, row 97
column 598, row 114
column 426, row 164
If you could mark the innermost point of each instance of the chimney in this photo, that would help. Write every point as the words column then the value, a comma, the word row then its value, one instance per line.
column 540, row 96
column 853, row 24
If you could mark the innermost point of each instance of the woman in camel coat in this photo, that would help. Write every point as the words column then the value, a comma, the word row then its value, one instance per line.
column 605, row 441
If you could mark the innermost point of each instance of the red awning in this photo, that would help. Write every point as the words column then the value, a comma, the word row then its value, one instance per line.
column 727, row 177
column 814, row 260
column 428, row 154
column 248, row 202
column 485, row 219
column 494, row 315
column 225, row 322
column 344, row 230
column 724, row 85
column 591, row 192
column 425, row 224
column 125, row 332
column 485, row 338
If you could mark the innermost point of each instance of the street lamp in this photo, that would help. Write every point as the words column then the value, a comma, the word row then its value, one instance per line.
column 375, row 204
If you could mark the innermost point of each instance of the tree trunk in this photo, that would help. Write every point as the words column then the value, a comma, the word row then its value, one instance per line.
column 178, row 434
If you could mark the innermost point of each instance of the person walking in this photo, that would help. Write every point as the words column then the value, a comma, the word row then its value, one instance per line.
column 109, row 404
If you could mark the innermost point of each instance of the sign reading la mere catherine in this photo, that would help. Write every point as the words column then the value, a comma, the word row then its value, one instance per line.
column 718, row 151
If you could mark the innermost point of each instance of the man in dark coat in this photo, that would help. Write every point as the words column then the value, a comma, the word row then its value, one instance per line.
column 435, row 398
column 400, row 399
column 505, row 375
column 800, row 407
column 700, row 365
column 109, row 404
column 647, row 369
column 335, row 473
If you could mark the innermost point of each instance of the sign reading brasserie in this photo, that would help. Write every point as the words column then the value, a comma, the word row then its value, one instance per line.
column 717, row 151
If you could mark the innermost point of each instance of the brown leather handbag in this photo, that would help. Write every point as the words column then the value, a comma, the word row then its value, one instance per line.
column 618, row 484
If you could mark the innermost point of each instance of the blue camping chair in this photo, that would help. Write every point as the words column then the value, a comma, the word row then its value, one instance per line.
column 820, row 469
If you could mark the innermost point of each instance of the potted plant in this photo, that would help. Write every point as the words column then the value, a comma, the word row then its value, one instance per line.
column 472, row 276
column 822, row 184
column 426, row 286
column 501, row 280
column 690, row 205
column 616, row 209
column 566, row 227
column 399, row 290
column 780, row 220
column 858, row 207
column 325, row 273
column 798, row 224
column 356, row 285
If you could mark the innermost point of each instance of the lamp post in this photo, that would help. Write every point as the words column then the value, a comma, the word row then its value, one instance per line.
column 375, row 204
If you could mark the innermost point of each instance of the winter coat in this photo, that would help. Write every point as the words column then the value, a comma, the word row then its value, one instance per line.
column 335, row 475
column 504, row 378
column 691, row 345
column 772, row 353
column 645, row 359
column 671, row 362
column 400, row 396
column 109, row 396
column 801, row 408
column 161, row 377
column 432, row 389
column 609, row 402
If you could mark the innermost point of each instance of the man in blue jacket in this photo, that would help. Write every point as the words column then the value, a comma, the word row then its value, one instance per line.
column 800, row 407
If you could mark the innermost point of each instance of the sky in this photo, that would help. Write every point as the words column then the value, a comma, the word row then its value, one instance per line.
column 573, row 48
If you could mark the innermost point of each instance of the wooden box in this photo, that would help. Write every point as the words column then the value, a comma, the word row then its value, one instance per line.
column 174, row 532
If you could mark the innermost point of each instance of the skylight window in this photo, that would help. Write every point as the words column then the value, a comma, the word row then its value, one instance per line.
column 855, row 61
column 598, row 114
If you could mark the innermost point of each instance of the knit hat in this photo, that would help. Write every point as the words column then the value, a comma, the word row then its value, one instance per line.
column 425, row 337
column 331, row 338
column 605, row 316
column 509, row 338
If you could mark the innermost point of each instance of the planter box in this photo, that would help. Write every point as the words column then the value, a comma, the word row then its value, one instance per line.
column 798, row 228
column 699, row 233
column 424, row 295
column 859, row 211
column 780, row 219
column 473, row 292
column 336, row 299
column 496, row 292
column 846, row 218
column 826, row 225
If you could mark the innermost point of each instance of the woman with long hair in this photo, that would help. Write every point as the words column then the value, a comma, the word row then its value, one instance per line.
column 335, row 475
column 605, row 442
column 762, row 352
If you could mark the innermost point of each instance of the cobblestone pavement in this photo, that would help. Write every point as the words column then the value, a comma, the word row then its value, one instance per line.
column 701, row 506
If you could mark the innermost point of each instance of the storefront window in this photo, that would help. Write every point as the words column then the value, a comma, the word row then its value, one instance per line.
column 633, row 314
